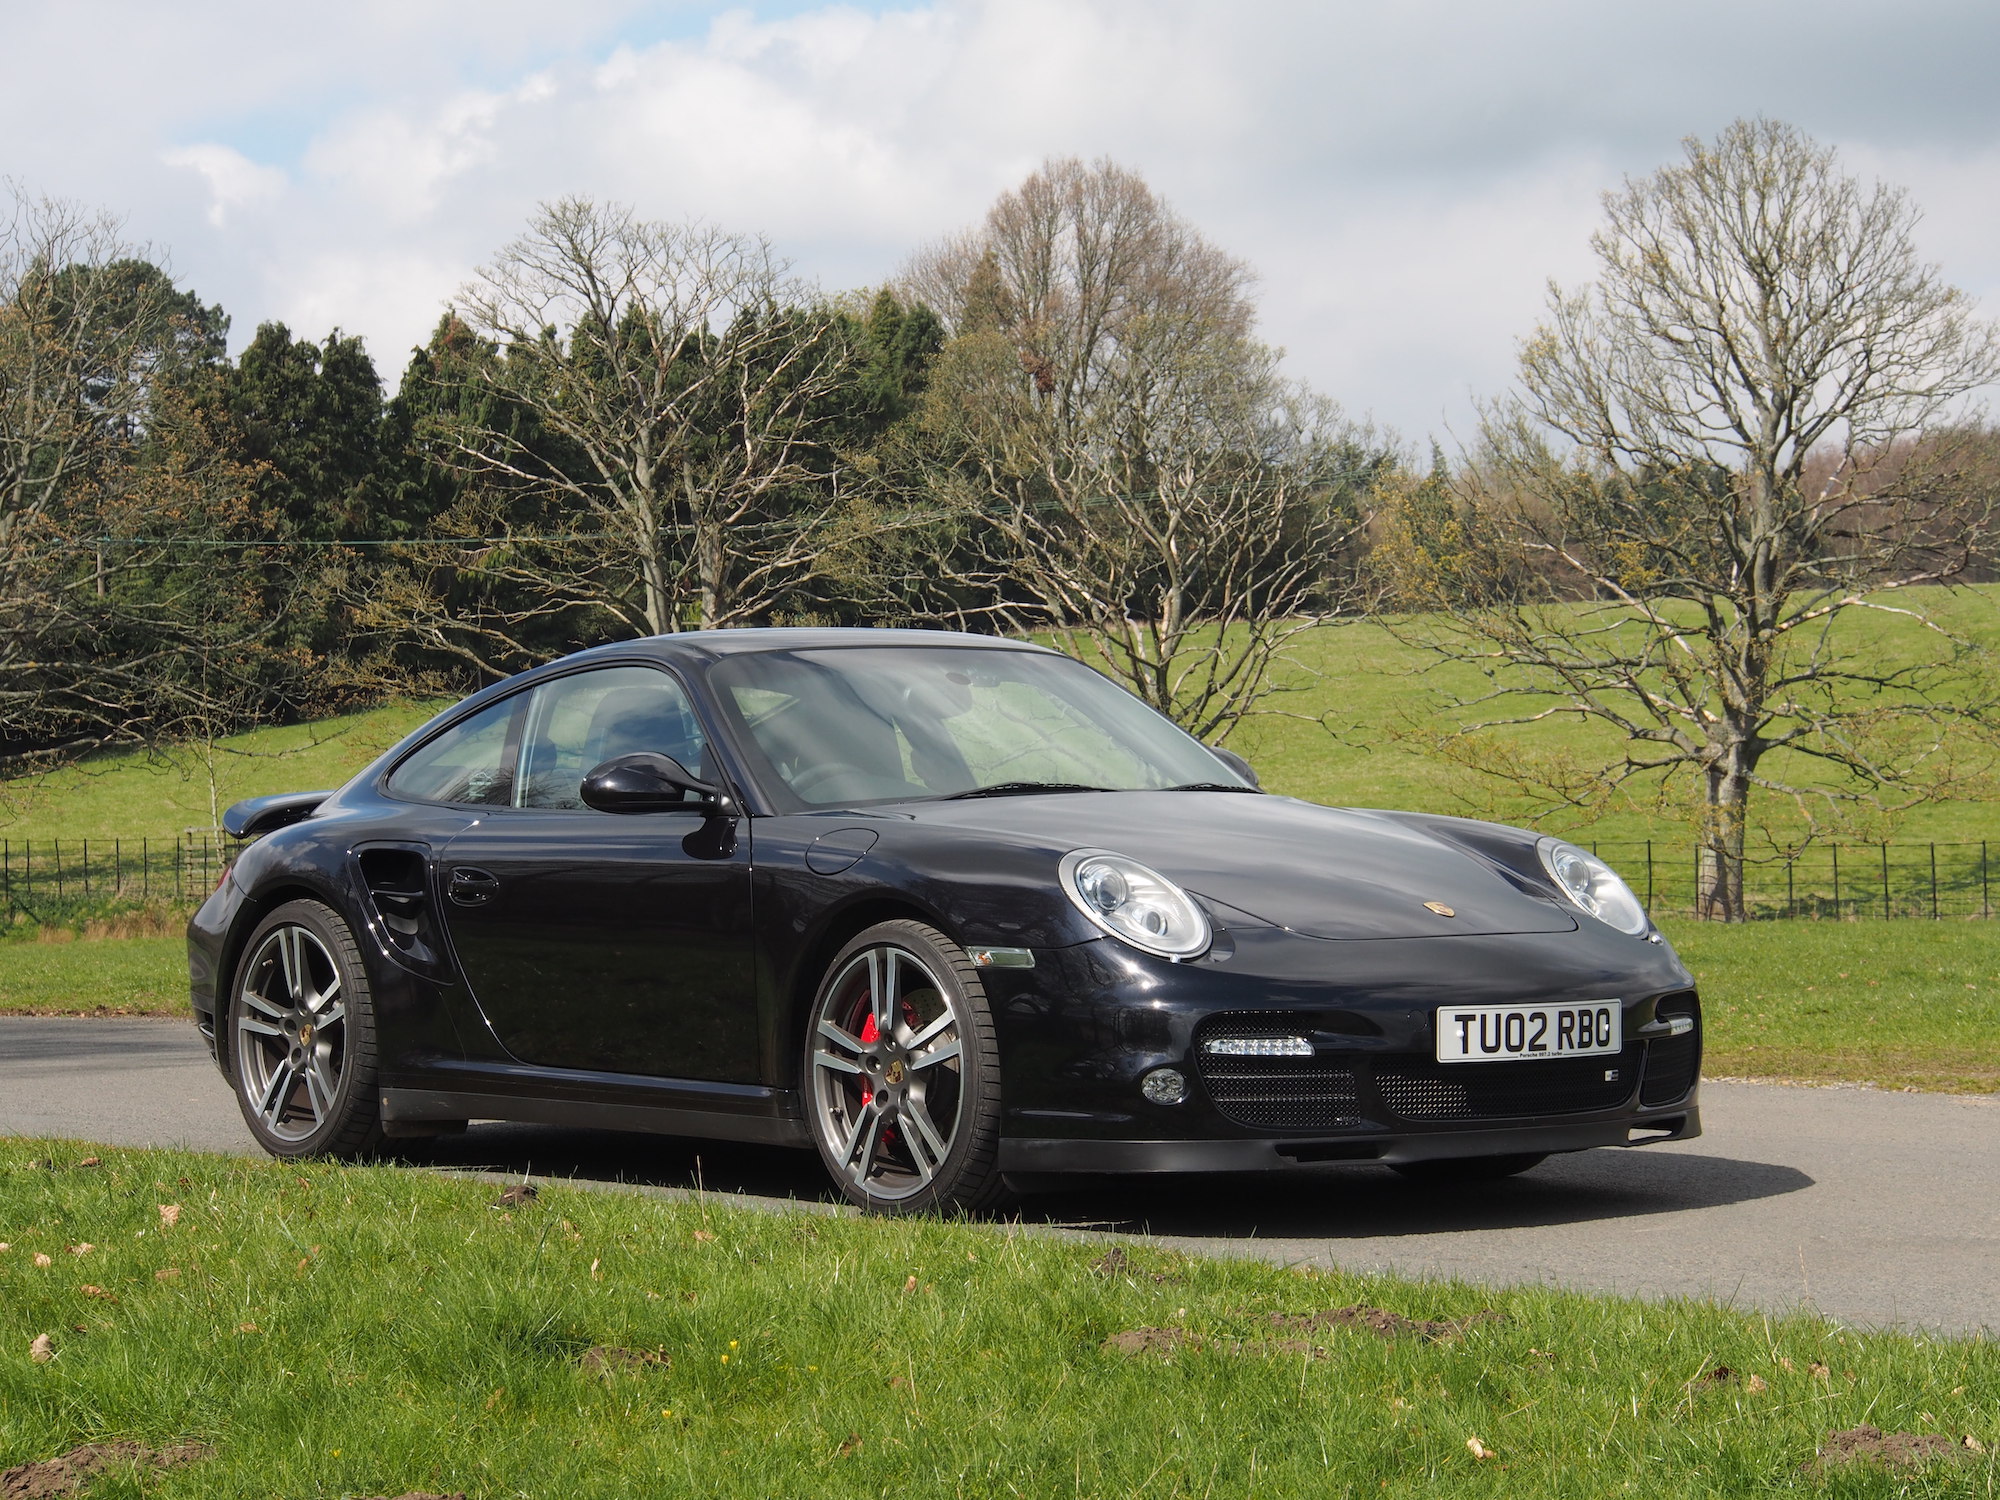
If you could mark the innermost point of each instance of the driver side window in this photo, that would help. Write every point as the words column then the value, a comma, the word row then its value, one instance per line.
column 577, row 723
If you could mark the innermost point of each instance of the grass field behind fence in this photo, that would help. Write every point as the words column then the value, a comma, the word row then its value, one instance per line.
column 1900, row 1004
column 349, row 1332
column 1350, row 734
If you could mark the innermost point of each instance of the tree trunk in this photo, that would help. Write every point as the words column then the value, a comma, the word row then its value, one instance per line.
column 1719, row 896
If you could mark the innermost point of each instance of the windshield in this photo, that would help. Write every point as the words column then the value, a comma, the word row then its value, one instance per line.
column 891, row 723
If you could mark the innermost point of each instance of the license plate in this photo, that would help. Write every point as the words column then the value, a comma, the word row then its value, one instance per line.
column 1511, row 1033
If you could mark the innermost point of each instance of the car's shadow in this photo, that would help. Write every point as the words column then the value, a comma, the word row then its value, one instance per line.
column 1352, row 1202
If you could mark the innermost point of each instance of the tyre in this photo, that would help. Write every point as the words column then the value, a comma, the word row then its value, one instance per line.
column 1469, row 1168
column 302, row 1036
column 902, row 1075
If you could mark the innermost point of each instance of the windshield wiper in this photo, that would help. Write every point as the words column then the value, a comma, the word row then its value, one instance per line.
column 1211, row 786
column 1024, row 788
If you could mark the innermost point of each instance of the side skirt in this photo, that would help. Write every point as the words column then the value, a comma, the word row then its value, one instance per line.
column 419, row 1111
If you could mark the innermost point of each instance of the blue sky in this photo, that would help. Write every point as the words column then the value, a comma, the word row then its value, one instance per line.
column 1405, row 177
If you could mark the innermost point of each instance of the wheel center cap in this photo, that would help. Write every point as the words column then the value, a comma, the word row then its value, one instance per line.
column 306, row 1035
column 895, row 1072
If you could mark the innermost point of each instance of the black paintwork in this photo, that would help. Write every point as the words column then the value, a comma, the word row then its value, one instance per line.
column 652, row 970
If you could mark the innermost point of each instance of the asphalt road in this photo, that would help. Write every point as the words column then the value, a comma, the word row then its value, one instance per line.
column 1876, row 1208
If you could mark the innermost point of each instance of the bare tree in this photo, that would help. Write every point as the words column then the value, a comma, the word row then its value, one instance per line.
column 678, row 387
column 1114, row 458
column 1740, row 435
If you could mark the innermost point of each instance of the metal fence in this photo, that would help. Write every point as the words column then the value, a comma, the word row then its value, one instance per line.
column 49, row 879
column 1834, row 881
column 54, row 879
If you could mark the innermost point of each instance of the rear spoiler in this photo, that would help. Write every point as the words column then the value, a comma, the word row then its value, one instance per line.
column 256, row 816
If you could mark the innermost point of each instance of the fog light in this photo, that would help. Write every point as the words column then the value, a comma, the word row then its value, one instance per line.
column 1164, row 1086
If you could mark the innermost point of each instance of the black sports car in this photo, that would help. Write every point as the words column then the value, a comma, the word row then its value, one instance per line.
column 953, row 910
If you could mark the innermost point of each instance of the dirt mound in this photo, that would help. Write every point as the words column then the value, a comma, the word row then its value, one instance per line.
column 1895, row 1450
column 1377, row 1320
column 68, row 1474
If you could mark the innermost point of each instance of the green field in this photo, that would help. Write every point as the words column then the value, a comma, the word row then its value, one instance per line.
column 133, row 794
column 371, row 1331
column 1350, row 732
column 1900, row 1004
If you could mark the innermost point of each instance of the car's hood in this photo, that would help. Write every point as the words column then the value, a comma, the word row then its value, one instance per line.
column 1323, row 872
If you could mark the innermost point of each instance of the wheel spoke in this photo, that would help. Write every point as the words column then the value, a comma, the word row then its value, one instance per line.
column 323, row 998
column 277, row 1091
column 888, row 962
column 317, row 1093
column 331, row 1017
column 825, row 1059
column 840, row 1038
column 256, row 1027
column 291, row 956
column 942, row 1052
column 861, row 1153
column 268, row 1007
column 918, row 1127
column 942, row 1023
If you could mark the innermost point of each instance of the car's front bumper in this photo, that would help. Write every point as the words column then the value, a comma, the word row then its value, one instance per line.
column 1019, row 1155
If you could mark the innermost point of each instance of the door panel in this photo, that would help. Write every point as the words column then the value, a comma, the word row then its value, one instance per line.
column 594, row 940
column 610, row 942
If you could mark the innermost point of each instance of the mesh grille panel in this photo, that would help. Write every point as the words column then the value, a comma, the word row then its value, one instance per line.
column 1418, row 1089
column 1672, row 1062
column 1275, row 1093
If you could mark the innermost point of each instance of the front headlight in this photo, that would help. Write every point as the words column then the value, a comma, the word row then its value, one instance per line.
column 1594, row 886
column 1134, row 904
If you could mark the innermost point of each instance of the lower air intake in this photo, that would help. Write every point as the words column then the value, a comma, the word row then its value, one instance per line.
column 1271, row 1089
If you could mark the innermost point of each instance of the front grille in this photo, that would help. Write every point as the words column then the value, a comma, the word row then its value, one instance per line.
column 1418, row 1089
column 1275, row 1093
column 1673, row 1062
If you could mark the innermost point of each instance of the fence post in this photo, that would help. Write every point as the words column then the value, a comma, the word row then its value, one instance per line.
column 1791, row 888
column 1836, row 882
column 1885, row 877
column 146, row 868
column 117, row 867
column 1985, row 900
column 1649, row 874
column 1934, row 909
column 86, row 869
column 59, row 884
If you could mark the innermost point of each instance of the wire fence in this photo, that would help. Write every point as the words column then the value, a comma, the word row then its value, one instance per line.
column 54, row 880
column 1829, row 881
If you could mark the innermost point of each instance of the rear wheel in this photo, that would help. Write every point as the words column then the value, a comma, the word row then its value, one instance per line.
column 302, row 1036
column 902, row 1075
column 1469, row 1168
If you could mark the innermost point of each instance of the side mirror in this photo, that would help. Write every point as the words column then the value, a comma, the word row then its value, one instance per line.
column 1236, row 763
column 649, row 782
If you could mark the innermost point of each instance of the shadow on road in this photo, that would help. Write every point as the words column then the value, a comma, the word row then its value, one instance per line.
column 1352, row 1202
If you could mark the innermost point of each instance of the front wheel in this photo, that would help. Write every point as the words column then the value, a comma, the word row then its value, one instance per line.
column 1469, row 1168
column 902, row 1075
column 302, row 1036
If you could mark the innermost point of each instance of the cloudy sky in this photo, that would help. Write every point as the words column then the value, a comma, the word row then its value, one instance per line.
column 1406, row 176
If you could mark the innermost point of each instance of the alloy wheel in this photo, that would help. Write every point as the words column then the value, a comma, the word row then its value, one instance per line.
column 291, row 1033
column 887, row 1073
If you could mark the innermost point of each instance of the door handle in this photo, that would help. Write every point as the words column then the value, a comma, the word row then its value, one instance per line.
column 470, row 887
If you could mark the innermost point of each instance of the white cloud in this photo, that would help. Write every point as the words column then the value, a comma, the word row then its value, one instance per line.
column 1405, row 177
column 233, row 179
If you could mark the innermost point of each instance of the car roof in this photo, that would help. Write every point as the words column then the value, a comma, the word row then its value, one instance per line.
column 706, row 646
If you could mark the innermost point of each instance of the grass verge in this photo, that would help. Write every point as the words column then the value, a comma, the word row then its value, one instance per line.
column 1899, row 1004
column 126, row 976
column 344, row 1331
